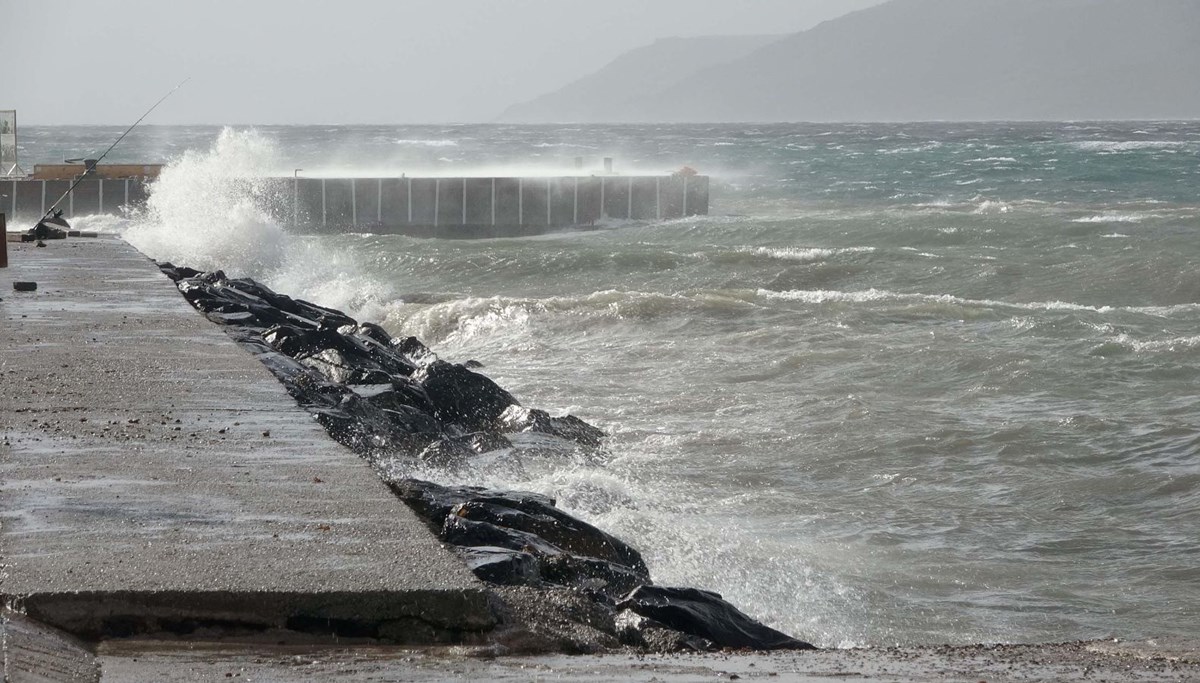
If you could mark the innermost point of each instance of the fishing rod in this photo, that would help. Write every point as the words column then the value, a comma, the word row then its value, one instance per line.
column 88, row 168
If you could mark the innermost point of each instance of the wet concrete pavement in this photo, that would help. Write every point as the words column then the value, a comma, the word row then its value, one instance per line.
column 154, row 477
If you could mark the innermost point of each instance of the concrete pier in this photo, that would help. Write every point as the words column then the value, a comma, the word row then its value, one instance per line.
column 158, row 479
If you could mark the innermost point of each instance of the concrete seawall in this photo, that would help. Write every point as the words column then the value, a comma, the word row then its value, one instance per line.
column 159, row 480
column 28, row 200
column 426, row 207
column 489, row 207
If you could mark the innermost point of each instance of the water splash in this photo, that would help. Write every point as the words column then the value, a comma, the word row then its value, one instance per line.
column 215, row 208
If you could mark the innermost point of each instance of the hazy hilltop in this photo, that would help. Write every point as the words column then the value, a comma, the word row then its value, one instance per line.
column 917, row 60
column 634, row 77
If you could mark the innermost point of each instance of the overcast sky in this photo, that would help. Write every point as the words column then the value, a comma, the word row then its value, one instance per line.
column 353, row 61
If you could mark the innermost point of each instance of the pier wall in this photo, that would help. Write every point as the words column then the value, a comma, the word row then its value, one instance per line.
column 489, row 207
column 25, row 200
column 427, row 207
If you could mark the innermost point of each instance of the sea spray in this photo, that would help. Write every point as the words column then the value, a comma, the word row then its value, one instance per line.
column 217, row 208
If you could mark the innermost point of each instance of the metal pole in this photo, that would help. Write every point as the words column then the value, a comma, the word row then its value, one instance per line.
column 658, row 199
column 493, row 202
column 549, row 201
column 43, row 199
column 685, row 196
column 464, row 221
column 575, row 209
column 410, row 202
column 629, row 211
column 379, row 202
column 437, row 200
column 3, row 242
column 100, row 184
column 354, row 202
column 520, row 201
column 602, row 207
column 324, row 216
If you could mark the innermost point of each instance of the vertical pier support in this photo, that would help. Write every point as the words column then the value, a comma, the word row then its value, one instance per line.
column 353, row 202
column 575, row 209
column 520, row 201
column 549, row 199
column 379, row 201
column 464, row 202
column 493, row 202
column 629, row 196
column 685, row 213
column 323, row 214
column 3, row 242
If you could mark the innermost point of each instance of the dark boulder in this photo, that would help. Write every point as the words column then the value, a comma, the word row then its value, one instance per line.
column 464, row 532
column 557, row 528
column 707, row 615
column 502, row 566
column 518, row 418
column 463, row 397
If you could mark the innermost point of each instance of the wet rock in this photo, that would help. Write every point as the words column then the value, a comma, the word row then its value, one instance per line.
column 556, row 527
column 485, row 442
column 642, row 632
column 501, row 566
column 467, row 533
column 413, row 350
column 462, row 396
column 707, row 615
column 445, row 453
column 518, row 418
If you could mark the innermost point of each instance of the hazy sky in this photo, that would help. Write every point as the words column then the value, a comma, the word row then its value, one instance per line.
column 353, row 61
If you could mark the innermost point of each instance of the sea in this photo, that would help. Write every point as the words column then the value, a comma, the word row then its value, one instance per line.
column 906, row 384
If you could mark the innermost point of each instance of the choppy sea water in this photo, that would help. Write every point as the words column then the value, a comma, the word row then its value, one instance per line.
column 927, row 383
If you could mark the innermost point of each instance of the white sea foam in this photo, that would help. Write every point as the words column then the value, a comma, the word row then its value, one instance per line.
column 874, row 295
column 1115, row 217
column 427, row 143
column 802, row 254
column 1118, row 147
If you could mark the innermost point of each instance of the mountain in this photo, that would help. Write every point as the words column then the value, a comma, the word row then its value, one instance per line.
column 920, row 60
column 633, row 77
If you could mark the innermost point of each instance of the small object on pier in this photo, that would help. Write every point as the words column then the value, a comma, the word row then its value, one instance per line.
column 25, row 286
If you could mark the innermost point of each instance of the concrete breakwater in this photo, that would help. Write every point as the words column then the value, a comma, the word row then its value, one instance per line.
column 490, row 207
column 391, row 397
column 27, row 200
column 160, row 483
column 453, row 207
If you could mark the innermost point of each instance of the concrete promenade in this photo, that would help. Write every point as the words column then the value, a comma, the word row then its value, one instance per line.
column 157, row 479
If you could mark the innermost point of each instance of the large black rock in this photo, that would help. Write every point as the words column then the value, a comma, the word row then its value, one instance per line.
column 707, row 615
column 462, row 396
